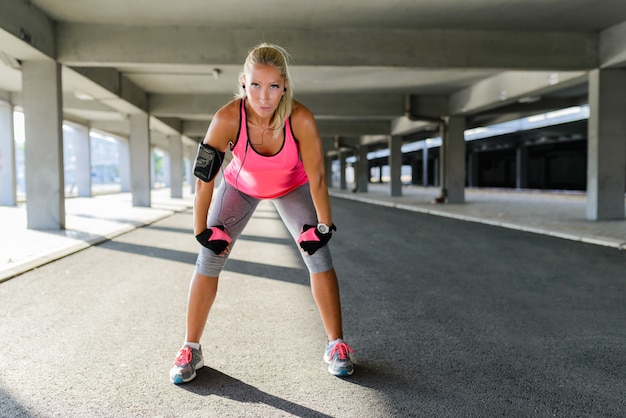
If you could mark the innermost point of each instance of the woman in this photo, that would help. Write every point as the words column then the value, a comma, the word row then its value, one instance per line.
column 277, row 154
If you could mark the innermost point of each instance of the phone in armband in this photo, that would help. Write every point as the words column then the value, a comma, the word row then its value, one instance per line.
column 206, row 167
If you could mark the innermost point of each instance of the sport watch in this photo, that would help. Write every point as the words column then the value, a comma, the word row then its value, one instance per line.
column 323, row 228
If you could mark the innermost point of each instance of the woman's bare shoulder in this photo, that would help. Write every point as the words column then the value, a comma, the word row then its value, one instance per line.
column 224, row 125
column 229, row 111
column 301, row 116
column 300, row 111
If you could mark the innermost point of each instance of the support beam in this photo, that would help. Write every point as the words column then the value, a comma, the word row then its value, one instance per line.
column 176, row 166
column 43, row 120
column 190, row 155
column 89, row 44
column 123, row 149
column 521, row 166
column 355, row 105
column 455, row 159
column 395, row 165
column 425, row 165
column 507, row 88
column 82, row 145
column 140, row 155
column 343, row 184
column 326, row 127
column 362, row 171
column 606, row 165
column 328, row 166
column 613, row 46
column 8, row 186
column 26, row 33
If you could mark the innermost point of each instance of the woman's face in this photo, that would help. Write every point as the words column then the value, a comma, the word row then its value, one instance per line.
column 264, row 89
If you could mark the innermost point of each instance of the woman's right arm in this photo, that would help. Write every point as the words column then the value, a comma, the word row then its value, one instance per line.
column 222, row 130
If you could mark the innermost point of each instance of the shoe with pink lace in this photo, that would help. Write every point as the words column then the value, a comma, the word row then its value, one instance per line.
column 187, row 361
column 338, row 356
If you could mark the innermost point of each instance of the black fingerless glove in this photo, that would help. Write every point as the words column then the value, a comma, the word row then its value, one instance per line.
column 311, row 239
column 214, row 238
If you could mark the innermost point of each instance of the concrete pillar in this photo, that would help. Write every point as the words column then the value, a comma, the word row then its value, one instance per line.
column 82, row 146
column 153, row 171
column 425, row 165
column 363, row 171
column 191, row 152
column 454, row 154
column 165, row 175
column 8, row 179
column 472, row 169
column 328, row 162
column 140, row 155
column 606, row 164
column 415, row 176
column 395, row 165
column 521, row 166
column 124, row 165
column 343, row 185
column 176, row 166
column 43, row 151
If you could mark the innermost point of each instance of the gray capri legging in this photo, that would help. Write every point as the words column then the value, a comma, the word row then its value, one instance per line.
column 233, row 209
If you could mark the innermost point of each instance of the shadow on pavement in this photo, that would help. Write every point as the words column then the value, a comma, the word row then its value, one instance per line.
column 286, row 274
column 213, row 382
column 9, row 407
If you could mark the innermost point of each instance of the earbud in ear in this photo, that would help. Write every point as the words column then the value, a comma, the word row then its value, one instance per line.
column 243, row 86
column 285, row 89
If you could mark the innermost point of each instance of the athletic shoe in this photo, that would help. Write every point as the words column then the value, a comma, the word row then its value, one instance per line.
column 339, row 359
column 186, row 363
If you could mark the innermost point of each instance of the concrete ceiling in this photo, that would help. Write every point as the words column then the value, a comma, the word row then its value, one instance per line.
column 363, row 67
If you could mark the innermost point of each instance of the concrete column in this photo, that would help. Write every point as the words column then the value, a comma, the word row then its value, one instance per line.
column 123, row 150
column 191, row 151
column 472, row 169
column 343, row 185
column 176, row 166
column 395, row 165
column 414, row 171
column 153, row 171
column 82, row 145
column 328, row 162
column 606, row 164
column 363, row 171
column 454, row 155
column 43, row 151
column 140, row 155
column 8, row 178
column 521, row 166
column 167, row 169
column 425, row 165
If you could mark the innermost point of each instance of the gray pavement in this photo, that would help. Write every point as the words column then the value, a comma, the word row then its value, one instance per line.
column 449, row 318
column 93, row 220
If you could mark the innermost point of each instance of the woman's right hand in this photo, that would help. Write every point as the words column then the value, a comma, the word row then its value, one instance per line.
column 215, row 239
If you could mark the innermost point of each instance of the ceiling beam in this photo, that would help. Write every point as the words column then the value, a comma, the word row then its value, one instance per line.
column 87, row 44
column 26, row 33
column 613, row 46
column 322, row 105
column 509, row 87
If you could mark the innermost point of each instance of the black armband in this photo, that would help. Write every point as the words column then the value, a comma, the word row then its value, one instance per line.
column 208, row 162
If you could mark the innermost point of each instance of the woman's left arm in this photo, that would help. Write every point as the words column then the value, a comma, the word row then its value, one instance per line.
column 312, row 154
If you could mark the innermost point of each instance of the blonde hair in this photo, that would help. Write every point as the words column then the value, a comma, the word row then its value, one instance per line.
column 269, row 54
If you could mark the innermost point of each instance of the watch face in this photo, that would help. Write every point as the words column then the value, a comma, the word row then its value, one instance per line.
column 323, row 228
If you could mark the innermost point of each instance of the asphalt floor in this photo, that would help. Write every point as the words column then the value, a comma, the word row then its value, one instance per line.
column 511, row 304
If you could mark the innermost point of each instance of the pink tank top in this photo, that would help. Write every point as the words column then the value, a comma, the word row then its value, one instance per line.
column 265, row 176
